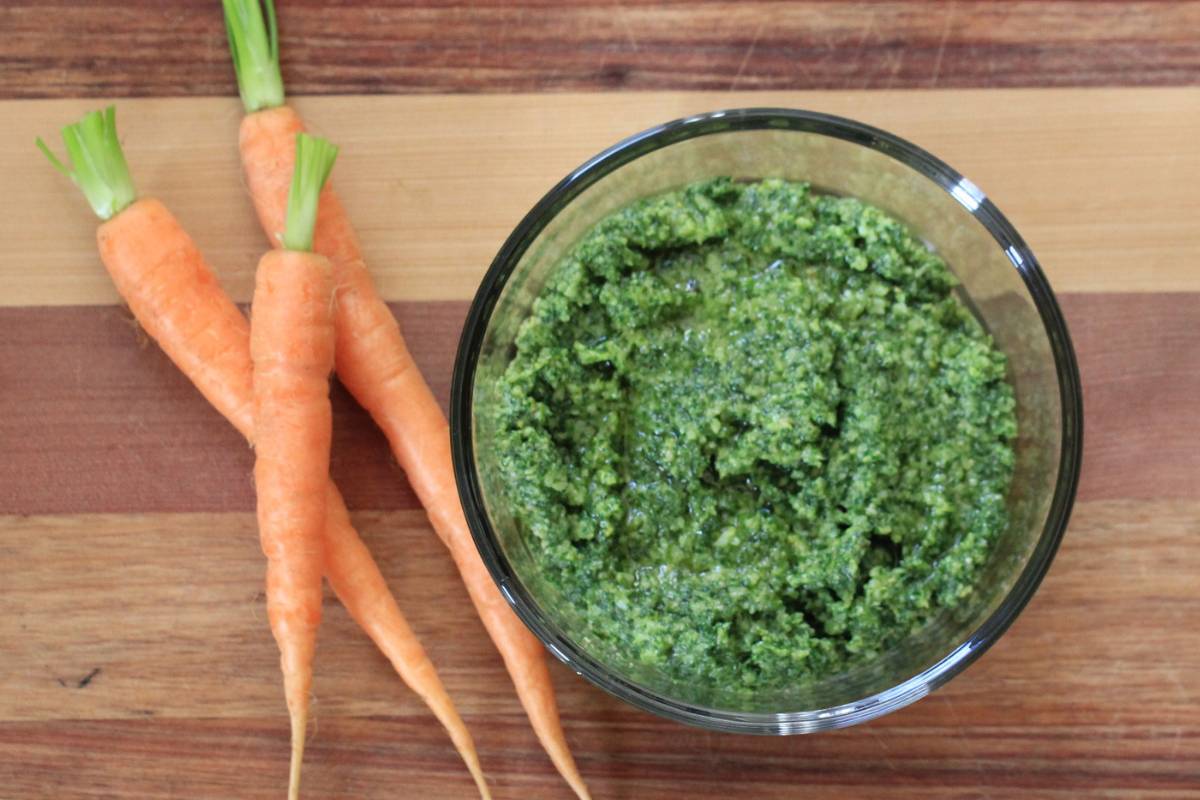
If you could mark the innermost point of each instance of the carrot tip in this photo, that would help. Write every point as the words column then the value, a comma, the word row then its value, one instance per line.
column 299, row 723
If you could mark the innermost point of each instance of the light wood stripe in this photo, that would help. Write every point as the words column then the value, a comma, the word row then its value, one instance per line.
column 1100, row 181
column 168, row 607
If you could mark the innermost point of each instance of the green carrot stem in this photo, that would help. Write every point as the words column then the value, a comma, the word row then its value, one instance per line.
column 97, row 164
column 314, row 160
column 254, row 46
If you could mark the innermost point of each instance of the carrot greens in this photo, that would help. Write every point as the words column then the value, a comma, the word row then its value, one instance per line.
column 254, row 44
column 314, row 160
column 98, row 166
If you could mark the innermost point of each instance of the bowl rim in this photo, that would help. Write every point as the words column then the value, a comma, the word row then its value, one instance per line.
column 946, row 178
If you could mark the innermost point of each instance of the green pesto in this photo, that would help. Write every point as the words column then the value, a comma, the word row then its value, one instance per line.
column 752, row 436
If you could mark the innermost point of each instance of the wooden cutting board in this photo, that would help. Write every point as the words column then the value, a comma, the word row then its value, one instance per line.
column 135, row 660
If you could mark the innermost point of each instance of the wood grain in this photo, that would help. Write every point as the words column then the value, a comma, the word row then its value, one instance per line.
column 101, row 48
column 1099, row 181
column 94, row 418
column 1092, row 693
column 91, row 422
column 135, row 661
column 371, row 757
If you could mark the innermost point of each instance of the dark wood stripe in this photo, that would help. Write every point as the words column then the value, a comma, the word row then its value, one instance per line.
column 246, row 758
column 95, row 419
column 1139, row 358
column 149, row 48
column 623, row 756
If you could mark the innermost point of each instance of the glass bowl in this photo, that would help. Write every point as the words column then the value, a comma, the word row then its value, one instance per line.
column 1001, row 283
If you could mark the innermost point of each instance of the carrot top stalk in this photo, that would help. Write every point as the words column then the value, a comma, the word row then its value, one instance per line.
column 254, row 44
column 97, row 163
column 314, row 160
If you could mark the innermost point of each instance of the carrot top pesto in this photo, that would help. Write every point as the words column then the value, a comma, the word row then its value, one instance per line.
column 751, row 436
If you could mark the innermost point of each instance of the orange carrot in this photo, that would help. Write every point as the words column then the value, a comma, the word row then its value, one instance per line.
column 175, row 297
column 291, row 345
column 373, row 362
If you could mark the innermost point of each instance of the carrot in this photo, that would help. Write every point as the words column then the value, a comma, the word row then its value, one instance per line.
column 291, row 345
column 374, row 363
column 160, row 273
column 175, row 297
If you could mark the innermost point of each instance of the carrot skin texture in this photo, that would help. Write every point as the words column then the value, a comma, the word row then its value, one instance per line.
column 374, row 364
column 175, row 297
column 267, row 142
column 291, row 347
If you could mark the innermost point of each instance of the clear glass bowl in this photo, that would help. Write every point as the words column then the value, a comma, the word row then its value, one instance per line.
column 1001, row 283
